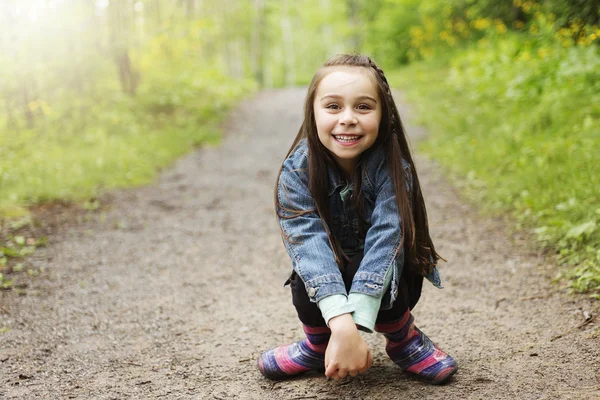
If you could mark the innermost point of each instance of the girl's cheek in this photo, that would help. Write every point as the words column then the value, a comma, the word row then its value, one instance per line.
column 372, row 124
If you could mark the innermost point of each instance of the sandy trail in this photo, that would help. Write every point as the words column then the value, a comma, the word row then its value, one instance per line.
column 175, row 290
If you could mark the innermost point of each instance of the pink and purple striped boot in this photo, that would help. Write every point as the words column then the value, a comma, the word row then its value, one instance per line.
column 415, row 353
column 296, row 358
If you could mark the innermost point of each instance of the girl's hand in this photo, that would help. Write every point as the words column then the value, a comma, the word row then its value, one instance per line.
column 347, row 353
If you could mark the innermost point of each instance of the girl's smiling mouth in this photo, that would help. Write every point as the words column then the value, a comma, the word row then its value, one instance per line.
column 347, row 140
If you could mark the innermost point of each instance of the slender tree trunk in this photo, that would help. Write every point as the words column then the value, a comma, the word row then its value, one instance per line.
column 288, row 46
column 128, row 76
column 121, row 31
column 354, row 17
column 26, row 101
column 256, row 42
column 327, row 30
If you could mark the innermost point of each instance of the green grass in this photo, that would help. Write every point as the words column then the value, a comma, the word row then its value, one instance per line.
column 118, row 141
column 523, row 138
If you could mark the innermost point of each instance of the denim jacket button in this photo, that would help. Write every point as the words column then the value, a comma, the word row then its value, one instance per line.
column 311, row 292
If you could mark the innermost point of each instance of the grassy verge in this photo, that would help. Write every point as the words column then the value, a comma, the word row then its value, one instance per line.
column 523, row 135
column 123, row 142
column 86, row 146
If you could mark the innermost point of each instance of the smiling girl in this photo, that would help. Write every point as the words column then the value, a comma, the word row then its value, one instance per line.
column 354, row 224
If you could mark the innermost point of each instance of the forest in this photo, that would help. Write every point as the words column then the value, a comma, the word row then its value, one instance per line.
column 102, row 94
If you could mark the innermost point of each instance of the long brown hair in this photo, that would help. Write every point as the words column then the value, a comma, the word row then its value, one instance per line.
column 420, row 255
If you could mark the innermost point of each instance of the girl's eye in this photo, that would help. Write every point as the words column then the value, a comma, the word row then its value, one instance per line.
column 332, row 106
column 364, row 106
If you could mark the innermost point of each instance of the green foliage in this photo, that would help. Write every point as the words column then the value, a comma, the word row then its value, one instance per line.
column 84, row 141
column 388, row 26
column 401, row 31
column 518, row 116
column 586, row 11
column 300, row 36
column 121, row 143
column 103, row 94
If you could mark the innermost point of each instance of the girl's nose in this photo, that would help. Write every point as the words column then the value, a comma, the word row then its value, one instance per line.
column 348, row 117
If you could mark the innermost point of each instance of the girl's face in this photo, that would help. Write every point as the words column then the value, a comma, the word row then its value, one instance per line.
column 347, row 113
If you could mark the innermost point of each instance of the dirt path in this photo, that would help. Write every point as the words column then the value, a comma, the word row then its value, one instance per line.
column 175, row 291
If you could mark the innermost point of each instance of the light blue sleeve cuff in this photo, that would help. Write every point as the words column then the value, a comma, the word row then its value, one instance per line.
column 334, row 305
column 366, row 310
column 367, row 307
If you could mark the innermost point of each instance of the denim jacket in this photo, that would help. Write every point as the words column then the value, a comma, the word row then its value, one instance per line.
column 308, row 245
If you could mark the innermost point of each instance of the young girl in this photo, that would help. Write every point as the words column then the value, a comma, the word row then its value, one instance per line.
column 354, row 223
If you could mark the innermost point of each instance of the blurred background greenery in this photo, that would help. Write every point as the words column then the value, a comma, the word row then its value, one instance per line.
column 96, row 94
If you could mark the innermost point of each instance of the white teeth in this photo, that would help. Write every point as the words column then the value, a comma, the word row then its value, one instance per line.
column 346, row 138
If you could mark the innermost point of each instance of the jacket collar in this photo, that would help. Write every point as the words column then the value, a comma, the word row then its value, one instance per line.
column 335, row 179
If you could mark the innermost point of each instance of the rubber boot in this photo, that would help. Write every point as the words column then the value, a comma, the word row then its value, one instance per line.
column 415, row 353
column 296, row 358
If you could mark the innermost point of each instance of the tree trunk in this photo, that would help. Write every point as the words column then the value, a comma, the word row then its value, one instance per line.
column 27, row 109
column 327, row 31
column 121, row 37
column 288, row 46
column 256, row 42
column 354, row 17
column 128, row 76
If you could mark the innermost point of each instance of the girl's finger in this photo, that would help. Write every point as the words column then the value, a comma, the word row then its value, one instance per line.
column 342, row 373
column 353, row 373
column 368, row 363
column 331, row 370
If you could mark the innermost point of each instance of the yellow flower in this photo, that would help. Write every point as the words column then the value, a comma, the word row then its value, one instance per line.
column 582, row 40
column 543, row 53
column 41, row 105
column 564, row 32
column 500, row 27
column 519, row 24
column 461, row 27
column 528, row 6
column 480, row 23
column 447, row 37
column 525, row 56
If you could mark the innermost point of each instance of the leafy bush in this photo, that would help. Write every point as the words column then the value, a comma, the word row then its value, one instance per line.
column 401, row 31
column 517, row 115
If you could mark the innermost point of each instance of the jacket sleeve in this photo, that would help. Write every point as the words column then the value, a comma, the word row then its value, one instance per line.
column 382, row 243
column 305, row 237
